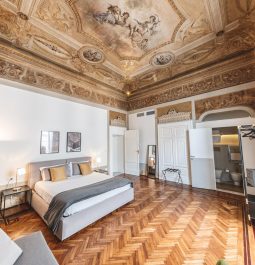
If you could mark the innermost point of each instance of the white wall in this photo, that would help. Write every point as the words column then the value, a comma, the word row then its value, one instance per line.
column 23, row 114
column 147, row 131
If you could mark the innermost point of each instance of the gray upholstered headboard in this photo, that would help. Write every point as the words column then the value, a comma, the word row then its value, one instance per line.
column 34, row 173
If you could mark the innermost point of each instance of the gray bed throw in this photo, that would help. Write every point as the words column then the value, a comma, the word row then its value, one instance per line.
column 63, row 200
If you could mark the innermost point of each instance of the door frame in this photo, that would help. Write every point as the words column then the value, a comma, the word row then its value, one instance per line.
column 222, row 124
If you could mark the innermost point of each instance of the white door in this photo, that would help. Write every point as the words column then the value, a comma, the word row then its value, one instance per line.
column 202, row 158
column 132, row 152
column 173, row 152
column 118, row 154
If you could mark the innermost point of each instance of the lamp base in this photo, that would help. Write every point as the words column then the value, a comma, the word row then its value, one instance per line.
column 16, row 188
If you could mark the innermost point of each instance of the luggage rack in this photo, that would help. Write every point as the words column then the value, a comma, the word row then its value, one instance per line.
column 173, row 170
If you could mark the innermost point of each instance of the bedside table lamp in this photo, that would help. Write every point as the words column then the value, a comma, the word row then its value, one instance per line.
column 20, row 172
column 98, row 160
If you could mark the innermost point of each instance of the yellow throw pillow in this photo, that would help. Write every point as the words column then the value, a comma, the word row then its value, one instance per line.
column 85, row 169
column 58, row 173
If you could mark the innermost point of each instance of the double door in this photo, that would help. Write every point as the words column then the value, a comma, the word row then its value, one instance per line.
column 173, row 149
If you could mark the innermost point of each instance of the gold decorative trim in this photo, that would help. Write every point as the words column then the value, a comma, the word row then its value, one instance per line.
column 198, row 84
column 173, row 116
column 244, row 98
column 52, row 82
column 117, row 119
column 176, row 112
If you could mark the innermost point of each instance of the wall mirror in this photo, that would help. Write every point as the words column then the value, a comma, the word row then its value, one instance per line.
column 151, row 161
column 49, row 142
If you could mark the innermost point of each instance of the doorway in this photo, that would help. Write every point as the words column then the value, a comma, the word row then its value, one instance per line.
column 227, row 159
column 118, row 154
column 123, row 151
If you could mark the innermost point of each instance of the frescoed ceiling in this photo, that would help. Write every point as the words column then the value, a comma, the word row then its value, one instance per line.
column 129, row 44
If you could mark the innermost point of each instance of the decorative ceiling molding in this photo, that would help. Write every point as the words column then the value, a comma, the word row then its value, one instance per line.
column 117, row 119
column 184, row 40
column 23, row 69
column 180, row 107
column 221, row 76
column 244, row 98
column 52, row 48
column 162, row 59
column 173, row 116
column 91, row 54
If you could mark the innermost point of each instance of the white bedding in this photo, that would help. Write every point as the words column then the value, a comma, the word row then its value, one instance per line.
column 48, row 189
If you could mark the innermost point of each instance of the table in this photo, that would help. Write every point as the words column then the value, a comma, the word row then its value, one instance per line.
column 27, row 192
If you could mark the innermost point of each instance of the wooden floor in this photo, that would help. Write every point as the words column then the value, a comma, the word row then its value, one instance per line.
column 163, row 225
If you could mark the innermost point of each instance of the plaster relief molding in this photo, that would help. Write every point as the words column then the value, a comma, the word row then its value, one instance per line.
column 240, row 59
column 51, row 47
column 117, row 119
column 173, row 116
column 13, row 5
column 196, row 85
column 176, row 112
column 57, row 15
column 34, row 72
column 13, row 55
column 24, row 35
column 244, row 98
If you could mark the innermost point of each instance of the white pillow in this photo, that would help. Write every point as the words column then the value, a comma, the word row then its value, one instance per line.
column 9, row 250
column 69, row 168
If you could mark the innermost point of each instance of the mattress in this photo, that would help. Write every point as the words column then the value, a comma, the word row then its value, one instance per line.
column 48, row 189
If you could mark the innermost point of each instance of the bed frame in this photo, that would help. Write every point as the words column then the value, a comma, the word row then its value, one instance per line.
column 75, row 222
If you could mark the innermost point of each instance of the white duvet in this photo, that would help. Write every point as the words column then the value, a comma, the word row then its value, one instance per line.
column 48, row 189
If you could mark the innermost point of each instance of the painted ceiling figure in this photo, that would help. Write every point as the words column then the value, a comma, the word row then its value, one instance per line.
column 148, row 26
column 139, row 32
column 92, row 56
column 112, row 16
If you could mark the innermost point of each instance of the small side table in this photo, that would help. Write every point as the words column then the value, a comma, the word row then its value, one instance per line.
column 27, row 193
column 173, row 170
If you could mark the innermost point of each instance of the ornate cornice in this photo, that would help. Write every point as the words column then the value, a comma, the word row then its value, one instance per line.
column 225, row 75
column 25, row 69
column 244, row 98
column 173, row 116
column 117, row 119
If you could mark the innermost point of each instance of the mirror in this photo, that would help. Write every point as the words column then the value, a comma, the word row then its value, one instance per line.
column 49, row 142
column 151, row 160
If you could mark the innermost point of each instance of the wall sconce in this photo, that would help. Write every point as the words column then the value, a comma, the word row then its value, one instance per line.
column 20, row 172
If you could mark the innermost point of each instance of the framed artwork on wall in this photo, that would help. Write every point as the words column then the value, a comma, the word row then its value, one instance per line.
column 49, row 142
column 73, row 143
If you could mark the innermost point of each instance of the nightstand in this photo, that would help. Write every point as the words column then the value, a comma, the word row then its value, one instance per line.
column 24, row 191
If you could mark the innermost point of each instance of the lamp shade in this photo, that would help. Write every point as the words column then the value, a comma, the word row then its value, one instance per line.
column 98, row 160
column 21, row 171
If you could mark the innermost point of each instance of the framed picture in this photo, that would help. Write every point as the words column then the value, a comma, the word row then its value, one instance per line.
column 49, row 142
column 73, row 143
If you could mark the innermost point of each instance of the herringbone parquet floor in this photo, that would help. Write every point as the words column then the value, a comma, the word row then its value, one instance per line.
column 163, row 225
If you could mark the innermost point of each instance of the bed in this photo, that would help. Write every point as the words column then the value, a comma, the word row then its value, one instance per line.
column 80, row 214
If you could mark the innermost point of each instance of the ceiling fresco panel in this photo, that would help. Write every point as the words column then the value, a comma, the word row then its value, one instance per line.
column 129, row 28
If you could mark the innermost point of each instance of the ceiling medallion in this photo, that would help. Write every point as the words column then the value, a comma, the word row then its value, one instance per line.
column 162, row 59
column 91, row 54
column 22, row 16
